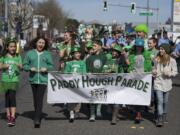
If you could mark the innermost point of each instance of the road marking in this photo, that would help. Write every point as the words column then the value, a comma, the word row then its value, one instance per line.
column 133, row 127
column 141, row 127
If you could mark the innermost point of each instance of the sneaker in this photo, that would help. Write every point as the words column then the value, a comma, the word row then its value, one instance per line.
column 12, row 121
column 159, row 122
column 113, row 122
column 92, row 118
column 138, row 118
column 71, row 116
column 8, row 120
column 37, row 124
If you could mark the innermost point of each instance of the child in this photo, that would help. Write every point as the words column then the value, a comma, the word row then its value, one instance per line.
column 142, row 32
column 38, row 62
column 137, row 61
column 94, row 64
column 75, row 66
column 10, row 64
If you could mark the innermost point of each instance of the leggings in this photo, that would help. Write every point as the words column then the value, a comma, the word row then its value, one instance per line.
column 38, row 95
column 10, row 98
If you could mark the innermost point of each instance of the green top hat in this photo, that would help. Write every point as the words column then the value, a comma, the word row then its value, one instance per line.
column 75, row 49
column 117, row 48
column 141, row 28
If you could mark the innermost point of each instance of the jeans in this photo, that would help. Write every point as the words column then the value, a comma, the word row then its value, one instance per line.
column 178, row 64
column 162, row 102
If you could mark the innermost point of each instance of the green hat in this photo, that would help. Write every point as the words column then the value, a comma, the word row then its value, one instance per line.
column 75, row 49
column 141, row 28
column 10, row 40
column 117, row 48
column 89, row 44
column 127, row 47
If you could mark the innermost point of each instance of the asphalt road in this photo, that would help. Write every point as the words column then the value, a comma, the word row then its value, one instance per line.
column 55, row 120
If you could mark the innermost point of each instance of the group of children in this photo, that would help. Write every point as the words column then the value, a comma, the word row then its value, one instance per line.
column 111, row 56
column 89, row 57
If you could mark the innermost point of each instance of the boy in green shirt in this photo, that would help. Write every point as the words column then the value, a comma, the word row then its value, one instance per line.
column 94, row 64
column 75, row 66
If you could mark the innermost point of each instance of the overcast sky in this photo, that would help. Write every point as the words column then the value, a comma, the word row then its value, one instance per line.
column 89, row 10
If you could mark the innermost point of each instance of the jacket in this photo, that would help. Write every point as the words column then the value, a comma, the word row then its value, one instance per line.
column 38, row 61
column 163, row 81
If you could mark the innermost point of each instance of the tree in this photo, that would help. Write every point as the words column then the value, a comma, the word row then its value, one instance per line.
column 53, row 12
column 20, row 15
column 72, row 24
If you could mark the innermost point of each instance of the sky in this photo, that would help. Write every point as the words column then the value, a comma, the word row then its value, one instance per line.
column 89, row 10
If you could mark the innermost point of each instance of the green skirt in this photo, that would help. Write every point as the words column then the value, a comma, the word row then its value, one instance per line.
column 5, row 86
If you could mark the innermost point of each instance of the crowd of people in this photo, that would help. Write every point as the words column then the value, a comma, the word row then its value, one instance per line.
column 114, row 52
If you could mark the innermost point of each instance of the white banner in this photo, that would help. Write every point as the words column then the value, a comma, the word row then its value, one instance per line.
column 131, row 88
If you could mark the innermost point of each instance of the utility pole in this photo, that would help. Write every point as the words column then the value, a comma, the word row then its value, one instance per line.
column 172, row 13
column 147, row 17
column 6, row 17
column 157, row 19
column 147, row 8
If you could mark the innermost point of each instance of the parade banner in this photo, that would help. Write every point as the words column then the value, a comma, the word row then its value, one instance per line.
column 125, row 88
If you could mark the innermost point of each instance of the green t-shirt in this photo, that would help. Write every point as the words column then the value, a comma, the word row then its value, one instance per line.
column 147, row 61
column 12, row 73
column 95, row 63
column 75, row 67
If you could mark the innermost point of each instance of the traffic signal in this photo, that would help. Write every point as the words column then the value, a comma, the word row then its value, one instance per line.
column 133, row 8
column 105, row 6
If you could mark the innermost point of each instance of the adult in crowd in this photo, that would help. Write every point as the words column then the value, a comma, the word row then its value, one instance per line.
column 164, row 69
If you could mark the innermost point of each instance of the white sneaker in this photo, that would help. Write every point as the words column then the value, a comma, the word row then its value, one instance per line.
column 92, row 118
column 71, row 116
